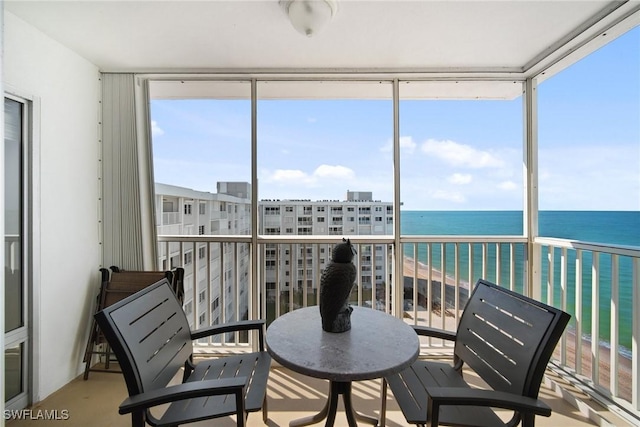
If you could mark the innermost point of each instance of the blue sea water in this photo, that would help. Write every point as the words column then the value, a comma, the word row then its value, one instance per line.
column 619, row 227
column 613, row 227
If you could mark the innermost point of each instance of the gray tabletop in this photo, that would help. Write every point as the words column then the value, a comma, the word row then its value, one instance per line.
column 376, row 346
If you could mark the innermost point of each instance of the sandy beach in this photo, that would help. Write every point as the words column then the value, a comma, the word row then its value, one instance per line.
column 604, row 371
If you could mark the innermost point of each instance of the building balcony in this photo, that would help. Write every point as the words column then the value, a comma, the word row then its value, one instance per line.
column 426, row 288
column 169, row 218
column 289, row 396
column 83, row 145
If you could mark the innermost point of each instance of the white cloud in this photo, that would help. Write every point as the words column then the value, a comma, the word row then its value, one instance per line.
column 460, row 178
column 507, row 185
column 289, row 175
column 155, row 129
column 323, row 173
column 333, row 172
column 407, row 144
column 457, row 154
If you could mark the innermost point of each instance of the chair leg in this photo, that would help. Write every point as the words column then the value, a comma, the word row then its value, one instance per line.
column 107, row 361
column 88, row 352
column 242, row 419
column 87, row 365
column 528, row 420
column 383, row 404
column 265, row 411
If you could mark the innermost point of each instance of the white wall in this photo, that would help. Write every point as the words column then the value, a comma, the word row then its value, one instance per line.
column 66, row 277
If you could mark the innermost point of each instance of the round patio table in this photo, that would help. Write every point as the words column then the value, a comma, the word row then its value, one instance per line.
column 377, row 345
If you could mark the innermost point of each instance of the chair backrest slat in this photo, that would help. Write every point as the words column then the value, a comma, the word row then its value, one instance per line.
column 508, row 338
column 153, row 336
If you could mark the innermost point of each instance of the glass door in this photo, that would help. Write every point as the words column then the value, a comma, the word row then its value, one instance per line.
column 16, row 333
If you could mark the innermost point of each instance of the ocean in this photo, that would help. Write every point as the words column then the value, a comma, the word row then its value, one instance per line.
column 615, row 227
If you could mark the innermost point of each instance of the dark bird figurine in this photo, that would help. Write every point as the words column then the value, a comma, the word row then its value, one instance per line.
column 336, row 283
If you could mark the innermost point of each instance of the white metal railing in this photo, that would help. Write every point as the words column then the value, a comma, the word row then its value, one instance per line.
column 169, row 218
column 440, row 271
column 599, row 285
column 217, row 215
column 437, row 274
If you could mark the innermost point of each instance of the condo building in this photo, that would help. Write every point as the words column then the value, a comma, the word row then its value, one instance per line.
column 217, row 275
column 291, row 268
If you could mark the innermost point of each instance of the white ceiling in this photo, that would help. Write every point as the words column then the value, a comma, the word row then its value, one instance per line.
column 394, row 34
column 460, row 39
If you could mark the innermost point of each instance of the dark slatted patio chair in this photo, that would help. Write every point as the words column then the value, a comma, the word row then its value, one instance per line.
column 507, row 339
column 115, row 285
column 151, row 338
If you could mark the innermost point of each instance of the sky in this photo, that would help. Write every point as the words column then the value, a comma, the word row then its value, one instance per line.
column 455, row 155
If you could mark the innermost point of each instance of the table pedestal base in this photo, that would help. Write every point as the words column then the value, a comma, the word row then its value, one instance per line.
column 331, row 407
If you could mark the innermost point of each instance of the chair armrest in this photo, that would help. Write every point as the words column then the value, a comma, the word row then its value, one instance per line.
column 441, row 396
column 242, row 325
column 435, row 333
column 183, row 391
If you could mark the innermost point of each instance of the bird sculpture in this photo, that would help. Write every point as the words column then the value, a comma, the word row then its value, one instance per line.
column 336, row 283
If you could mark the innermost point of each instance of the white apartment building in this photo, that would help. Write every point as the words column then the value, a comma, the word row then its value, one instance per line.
column 292, row 267
column 216, row 288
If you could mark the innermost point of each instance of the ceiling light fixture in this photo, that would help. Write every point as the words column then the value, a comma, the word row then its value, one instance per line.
column 309, row 16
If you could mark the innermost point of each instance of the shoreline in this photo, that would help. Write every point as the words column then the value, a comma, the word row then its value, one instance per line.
column 624, row 372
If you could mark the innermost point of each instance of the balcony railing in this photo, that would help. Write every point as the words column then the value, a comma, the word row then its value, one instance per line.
column 597, row 284
column 169, row 218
